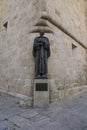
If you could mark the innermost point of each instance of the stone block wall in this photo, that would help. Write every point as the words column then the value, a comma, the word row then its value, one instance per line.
column 86, row 13
column 64, row 24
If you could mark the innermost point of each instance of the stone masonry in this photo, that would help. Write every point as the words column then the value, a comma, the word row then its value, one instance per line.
column 65, row 25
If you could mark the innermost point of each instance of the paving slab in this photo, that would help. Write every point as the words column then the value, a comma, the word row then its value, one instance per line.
column 20, row 121
column 66, row 114
column 29, row 114
column 28, row 128
column 3, row 126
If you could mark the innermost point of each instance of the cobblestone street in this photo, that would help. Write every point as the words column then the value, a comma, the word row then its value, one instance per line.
column 66, row 114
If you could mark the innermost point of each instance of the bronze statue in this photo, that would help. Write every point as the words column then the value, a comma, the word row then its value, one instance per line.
column 41, row 51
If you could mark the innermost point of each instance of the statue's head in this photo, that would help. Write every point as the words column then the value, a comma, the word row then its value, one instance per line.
column 41, row 33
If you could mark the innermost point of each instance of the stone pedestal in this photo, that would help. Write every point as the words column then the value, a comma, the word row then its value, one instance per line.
column 41, row 93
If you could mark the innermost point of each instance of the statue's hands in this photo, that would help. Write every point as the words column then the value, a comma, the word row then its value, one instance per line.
column 41, row 43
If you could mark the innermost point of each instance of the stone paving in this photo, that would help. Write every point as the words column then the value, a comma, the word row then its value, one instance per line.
column 66, row 114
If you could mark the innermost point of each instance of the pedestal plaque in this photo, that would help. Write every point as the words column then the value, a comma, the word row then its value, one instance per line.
column 41, row 93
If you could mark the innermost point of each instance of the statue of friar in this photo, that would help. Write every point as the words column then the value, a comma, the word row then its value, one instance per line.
column 41, row 51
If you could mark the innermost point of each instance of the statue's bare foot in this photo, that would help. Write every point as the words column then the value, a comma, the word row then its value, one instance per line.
column 38, row 77
column 44, row 76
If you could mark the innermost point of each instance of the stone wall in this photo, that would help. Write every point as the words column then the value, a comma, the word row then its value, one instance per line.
column 86, row 12
column 70, row 16
column 64, row 24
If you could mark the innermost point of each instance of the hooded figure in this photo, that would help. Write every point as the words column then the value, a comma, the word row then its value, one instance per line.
column 41, row 51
